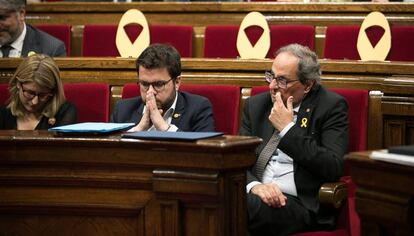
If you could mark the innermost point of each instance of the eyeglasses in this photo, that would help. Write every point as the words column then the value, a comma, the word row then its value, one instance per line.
column 30, row 94
column 282, row 82
column 157, row 85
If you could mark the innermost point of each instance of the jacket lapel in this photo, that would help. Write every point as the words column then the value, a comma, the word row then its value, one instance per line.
column 179, row 110
column 137, row 115
column 306, row 109
column 30, row 42
column 268, row 128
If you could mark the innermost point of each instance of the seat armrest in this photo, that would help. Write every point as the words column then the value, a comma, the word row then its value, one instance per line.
column 333, row 194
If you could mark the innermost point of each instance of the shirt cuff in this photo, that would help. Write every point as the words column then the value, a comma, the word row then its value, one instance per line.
column 286, row 129
column 251, row 185
column 172, row 128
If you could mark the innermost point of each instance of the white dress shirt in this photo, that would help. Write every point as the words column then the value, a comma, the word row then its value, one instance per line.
column 17, row 45
column 279, row 169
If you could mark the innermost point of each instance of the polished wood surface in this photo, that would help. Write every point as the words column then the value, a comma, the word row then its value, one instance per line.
column 391, row 114
column 200, row 14
column 384, row 195
column 106, row 185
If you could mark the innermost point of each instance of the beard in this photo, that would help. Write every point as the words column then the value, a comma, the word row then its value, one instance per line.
column 168, row 102
column 5, row 37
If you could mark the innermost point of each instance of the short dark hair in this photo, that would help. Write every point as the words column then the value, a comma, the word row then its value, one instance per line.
column 161, row 56
column 13, row 4
column 308, row 65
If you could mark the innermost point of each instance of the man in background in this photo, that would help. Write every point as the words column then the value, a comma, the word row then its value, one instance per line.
column 18, row 39
column 162, row 106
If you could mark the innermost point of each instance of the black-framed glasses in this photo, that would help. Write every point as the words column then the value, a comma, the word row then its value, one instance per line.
column 157, row 85
column 30, row 94
column 282, row 82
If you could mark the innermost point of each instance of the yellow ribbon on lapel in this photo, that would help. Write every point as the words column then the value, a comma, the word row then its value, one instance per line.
column 304, row 123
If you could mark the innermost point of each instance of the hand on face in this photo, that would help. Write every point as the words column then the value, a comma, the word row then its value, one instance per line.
column 270, row 194
column 281, row 115
column 155, row 114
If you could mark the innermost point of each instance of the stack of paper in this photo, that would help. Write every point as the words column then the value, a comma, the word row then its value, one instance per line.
column 385, row 155
column 92, row 127
column 159, row 135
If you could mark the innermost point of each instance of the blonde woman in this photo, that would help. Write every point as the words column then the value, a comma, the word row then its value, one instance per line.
column 37, row 100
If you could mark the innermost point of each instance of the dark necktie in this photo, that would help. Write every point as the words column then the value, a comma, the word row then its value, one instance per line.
column 5, row 49
column 266, row 153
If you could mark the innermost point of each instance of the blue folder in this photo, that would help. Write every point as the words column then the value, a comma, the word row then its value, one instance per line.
column 159, row 135
column 92, row 127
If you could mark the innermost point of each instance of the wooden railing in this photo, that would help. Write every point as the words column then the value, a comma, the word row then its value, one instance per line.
column 214, row 13
column 391, row 115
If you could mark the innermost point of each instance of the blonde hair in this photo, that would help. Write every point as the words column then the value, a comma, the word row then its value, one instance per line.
column 42, row 70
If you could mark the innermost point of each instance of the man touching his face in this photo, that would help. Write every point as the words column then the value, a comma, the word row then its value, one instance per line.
column 304, row 128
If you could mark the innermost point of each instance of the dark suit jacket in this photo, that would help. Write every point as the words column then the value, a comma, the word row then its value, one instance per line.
column 65, row 116
column 192, row 112
column 317, row 142
column 41, row 42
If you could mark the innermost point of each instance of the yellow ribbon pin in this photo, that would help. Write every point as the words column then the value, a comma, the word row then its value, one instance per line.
column 304, row 123
column 176, row 115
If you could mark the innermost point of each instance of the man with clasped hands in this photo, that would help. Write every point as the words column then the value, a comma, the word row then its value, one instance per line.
column 162, row 106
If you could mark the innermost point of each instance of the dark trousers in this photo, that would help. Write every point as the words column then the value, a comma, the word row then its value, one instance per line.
column 266, row 220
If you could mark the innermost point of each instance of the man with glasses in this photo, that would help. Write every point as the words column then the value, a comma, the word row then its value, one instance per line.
column 18, row 39
column 161, row 106
column 304, row 128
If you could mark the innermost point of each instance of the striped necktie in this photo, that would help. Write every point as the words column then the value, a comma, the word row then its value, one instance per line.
column 266, row 153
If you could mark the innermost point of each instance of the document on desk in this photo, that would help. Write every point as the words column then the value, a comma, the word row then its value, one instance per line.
column 92, row 127
column 384, row 155
column 183, row 136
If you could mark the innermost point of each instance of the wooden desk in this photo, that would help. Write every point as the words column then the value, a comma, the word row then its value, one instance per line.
column 112, row 186
column 384, row 196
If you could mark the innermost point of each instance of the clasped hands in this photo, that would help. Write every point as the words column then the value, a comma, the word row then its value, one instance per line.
column 152, row 116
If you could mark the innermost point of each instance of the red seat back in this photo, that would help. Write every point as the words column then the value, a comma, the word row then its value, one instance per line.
column 90, row 99
column 95, row 45
column 4, row 93
column 225, row 100
column 341, row 42
column 62, row 32
column 220, row 41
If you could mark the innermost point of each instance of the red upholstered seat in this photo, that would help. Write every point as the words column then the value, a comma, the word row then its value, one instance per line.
column 62, row 32
column 99, row 40
column 130, row 90
column 357, row 99
column 225, row 100
column 402, row 47
column 4, row 93
column 90, row 99
column 341, row 42
column 220, row 41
